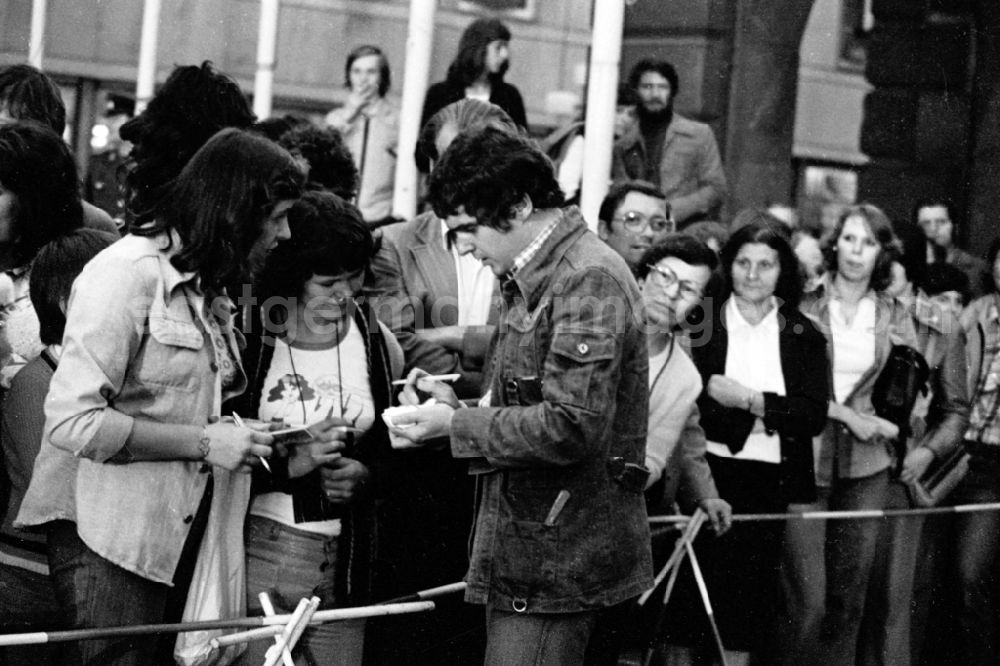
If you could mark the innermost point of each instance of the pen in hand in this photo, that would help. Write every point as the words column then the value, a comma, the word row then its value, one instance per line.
column 263, row 461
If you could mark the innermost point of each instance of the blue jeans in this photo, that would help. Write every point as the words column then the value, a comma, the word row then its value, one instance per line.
column 542, row 639
column 27, row 603
column 93, row 592
column 885, row 629
column 825, row 570
column 976, row 542
column 288, row 564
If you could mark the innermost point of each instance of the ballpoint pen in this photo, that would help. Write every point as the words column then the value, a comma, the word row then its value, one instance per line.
column 239, row 422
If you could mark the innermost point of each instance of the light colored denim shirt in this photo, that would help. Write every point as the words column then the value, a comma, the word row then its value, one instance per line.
column 135, row 347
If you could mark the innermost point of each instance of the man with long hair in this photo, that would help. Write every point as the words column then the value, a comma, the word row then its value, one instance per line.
column 477, row 72
column 678, row 155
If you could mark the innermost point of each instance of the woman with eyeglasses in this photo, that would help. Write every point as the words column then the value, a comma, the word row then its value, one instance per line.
column 321, row 358
column 764, row 372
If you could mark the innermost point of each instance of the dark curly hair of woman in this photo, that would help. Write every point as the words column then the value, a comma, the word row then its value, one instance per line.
column 487, row 173
column 330, row 165
column 194, row 103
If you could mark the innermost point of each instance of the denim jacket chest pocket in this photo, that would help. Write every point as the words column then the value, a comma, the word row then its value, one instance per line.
column 523, row 348
column 580, row 365
column 172, row 351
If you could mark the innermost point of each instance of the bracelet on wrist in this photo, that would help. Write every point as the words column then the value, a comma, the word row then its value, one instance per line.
column 204, row 444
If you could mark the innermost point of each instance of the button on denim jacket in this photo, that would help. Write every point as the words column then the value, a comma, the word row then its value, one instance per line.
column 569, row 398
column 135, row 347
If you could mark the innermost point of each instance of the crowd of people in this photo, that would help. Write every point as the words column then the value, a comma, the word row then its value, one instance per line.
column 197, row 389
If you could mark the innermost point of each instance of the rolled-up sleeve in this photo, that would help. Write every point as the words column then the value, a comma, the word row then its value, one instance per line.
column 104, row 323
column 594, row 327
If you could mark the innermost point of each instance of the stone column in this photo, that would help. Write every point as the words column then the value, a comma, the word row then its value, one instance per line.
column 761, row 119
column 984, row 169
column 918, row 122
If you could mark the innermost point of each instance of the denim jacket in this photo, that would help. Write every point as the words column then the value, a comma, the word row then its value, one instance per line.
column 135, row 347
column 568, row 412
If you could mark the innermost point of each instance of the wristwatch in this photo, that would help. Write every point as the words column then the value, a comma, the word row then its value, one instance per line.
column 204, row 443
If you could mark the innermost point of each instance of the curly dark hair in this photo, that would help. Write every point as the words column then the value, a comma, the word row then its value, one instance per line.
column 220, row 201
column 488, row 173
column 275, row 126
column 661, row 67
column 881, row 229
column 38, row 169
column 331, row 166
column 772, row 233
column 329, row 237
column 193, row 104
column 470, row 60
column 29, row 94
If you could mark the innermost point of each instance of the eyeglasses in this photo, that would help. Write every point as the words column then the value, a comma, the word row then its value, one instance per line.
column 637, row 222
column 666, row 278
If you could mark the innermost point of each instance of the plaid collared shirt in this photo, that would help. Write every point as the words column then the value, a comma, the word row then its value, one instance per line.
column 984, row 426
column 522, row 259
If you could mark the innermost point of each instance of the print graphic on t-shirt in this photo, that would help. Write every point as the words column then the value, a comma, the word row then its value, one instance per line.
column 333, row 401
column 294, row 395
column 290, row 391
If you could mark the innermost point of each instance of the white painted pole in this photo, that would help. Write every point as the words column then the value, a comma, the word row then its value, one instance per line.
column 146, row 79
column 267, row 44
column 419, row 40
column 36, row 43
column 602, row 92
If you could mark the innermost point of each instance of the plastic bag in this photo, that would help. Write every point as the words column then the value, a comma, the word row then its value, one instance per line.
column 218, row 586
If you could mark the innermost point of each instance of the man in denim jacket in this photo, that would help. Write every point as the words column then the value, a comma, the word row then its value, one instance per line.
column 558, row 440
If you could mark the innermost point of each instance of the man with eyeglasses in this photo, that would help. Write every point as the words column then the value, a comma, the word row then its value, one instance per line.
column 676, row 154
column 633, row 217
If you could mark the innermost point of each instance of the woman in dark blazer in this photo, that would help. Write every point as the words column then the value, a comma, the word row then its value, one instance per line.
column 764, row 369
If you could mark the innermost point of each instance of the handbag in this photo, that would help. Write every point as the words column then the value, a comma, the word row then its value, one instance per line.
column 903, row 377
column 940, row 478
column 218, row 585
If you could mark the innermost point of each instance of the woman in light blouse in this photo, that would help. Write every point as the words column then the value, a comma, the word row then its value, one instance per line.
column 765, row 397
column 149, row 353
column 827, row 565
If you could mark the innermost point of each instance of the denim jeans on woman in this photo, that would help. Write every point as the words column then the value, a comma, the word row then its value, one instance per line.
column 826, row 565
column 288, row 564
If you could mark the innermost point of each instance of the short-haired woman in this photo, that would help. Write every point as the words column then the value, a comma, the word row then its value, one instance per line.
column 312, row 524
column 764, row 371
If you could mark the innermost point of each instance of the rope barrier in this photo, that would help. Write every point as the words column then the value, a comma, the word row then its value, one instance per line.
column 839, row 515
column 319, row 617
